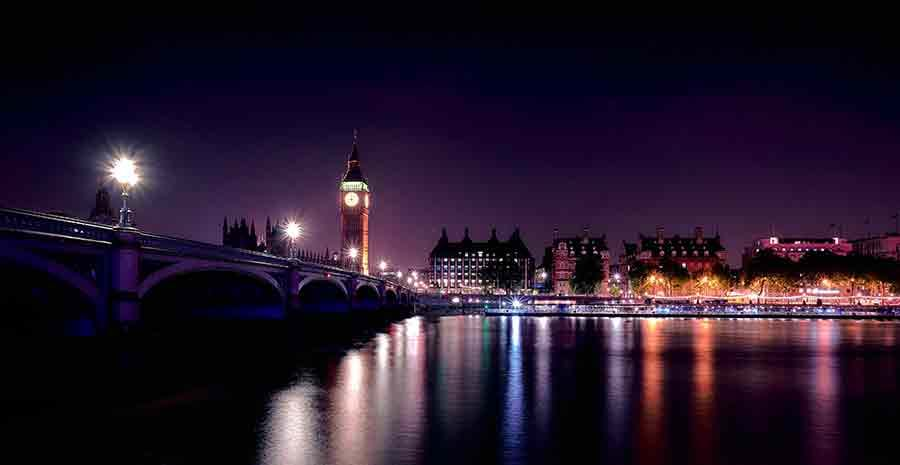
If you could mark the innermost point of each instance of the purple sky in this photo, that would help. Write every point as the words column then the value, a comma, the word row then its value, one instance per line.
column 737, row 128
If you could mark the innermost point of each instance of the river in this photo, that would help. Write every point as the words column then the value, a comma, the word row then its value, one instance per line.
column 467, row 390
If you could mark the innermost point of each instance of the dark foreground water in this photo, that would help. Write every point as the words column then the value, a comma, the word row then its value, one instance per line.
column 469, row 389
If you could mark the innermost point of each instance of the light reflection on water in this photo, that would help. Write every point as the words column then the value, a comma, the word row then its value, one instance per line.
column 537, row 389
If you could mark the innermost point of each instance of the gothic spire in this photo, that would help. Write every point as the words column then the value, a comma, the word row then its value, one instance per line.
column 354, row 173
column 354, row 153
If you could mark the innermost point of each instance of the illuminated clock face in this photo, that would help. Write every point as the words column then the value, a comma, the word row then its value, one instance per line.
column 351, row 199
column 367, row 200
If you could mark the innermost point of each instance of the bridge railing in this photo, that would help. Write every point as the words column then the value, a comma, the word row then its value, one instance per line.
column 57, row 225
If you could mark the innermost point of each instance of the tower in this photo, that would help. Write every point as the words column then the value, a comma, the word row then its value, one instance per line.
column 355, row 201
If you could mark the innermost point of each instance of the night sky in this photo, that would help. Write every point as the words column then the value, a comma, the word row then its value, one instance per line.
column 621, row 125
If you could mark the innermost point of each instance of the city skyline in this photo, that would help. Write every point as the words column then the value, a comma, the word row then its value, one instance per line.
column 476, row 131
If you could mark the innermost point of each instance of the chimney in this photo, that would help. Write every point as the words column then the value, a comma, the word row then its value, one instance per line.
column 555, row 234
column 659, row 233
column 698, row 234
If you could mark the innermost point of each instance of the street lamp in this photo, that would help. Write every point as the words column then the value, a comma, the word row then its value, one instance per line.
column 124, row 171
column 382, row 266
column 293, row 231
column 352, row 252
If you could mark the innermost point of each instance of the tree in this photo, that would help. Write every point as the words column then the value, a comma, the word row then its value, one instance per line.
column 768, row 272
column 675, row 275
column 588, row 275
column 638, row 273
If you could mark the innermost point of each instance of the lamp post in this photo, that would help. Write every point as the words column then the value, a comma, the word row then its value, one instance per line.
column 124, row 171
column 293, row 231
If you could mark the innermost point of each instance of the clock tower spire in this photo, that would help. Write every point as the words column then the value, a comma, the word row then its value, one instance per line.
column 354, row 200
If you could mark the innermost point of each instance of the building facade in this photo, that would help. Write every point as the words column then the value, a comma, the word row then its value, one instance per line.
column 794, row 248
column 481, row 267
column 696, row 254
column 886, row 246
column 355, row 200
column 565, row 254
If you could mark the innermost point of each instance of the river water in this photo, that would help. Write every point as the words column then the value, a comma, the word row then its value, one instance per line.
column 473, row 389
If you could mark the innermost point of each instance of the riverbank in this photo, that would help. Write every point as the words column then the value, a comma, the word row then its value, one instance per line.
column 717, row 315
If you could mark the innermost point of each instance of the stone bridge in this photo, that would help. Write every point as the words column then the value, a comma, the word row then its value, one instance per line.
column 96, row 277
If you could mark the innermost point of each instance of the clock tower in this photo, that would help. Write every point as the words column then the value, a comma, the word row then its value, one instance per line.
column 355, row 201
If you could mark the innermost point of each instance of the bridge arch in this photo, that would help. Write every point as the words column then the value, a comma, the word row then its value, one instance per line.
column 185, row 268
column 323, row 294
column 335, row 281
column 390, row 297
column 47, row 298
column 366, row 297
column 36, row 262
column 192, row 291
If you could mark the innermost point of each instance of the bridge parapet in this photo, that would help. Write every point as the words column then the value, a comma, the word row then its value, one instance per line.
column 54, row 225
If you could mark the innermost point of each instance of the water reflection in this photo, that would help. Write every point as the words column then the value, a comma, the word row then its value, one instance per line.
column 531, row 390
column 703, row 421
column 651, row 435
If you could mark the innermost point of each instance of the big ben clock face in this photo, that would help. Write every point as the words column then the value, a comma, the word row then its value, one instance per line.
column 351, row 199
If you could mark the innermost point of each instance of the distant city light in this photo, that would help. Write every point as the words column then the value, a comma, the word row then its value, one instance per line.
column 383, row 265
column 409, row 280
column 455, row 300
column 415, row 274
column 543, row 275
column 399, row 274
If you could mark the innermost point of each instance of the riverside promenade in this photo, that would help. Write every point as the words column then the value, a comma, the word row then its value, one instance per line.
column 701, row 311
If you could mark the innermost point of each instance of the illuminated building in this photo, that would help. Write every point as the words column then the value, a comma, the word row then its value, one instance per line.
column 886, row 246
column 696, row 254
column 794, row 248
column 469, row 266
column 355, row 200
column 565, row 254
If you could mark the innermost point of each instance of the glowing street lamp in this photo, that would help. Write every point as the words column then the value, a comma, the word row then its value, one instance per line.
column 124, row 171
column 293, row 231
column 382, row 266
column 353, row 252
